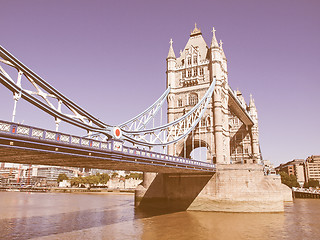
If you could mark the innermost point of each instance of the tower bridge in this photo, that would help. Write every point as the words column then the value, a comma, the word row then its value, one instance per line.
column 202, row 111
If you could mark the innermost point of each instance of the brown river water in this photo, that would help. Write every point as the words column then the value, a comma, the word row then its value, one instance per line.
column 111, row 216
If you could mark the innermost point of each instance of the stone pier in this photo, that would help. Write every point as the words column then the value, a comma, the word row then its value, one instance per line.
column 233, row 188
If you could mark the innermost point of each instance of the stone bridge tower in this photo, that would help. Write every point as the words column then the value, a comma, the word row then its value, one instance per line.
column 229, row 131
column 227, row 140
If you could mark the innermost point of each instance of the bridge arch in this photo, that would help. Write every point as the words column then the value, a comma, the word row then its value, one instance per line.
column 185, row 148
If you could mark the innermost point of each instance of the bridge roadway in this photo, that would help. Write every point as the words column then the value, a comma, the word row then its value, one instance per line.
column 30, row 145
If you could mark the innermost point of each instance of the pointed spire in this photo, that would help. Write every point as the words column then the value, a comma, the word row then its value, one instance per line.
column 223, row 55
column 171, row 52
column 214, row 42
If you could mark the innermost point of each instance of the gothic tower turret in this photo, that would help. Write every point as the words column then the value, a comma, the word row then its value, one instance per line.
column 220, row 103
column 171, row 66
column 254, row 131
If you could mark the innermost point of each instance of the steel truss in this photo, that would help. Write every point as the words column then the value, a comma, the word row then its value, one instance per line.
column 44, row 96
column 172, row 132
column 140, row 121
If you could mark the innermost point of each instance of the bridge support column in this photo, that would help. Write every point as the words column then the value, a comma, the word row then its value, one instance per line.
column 218, row 125
column 233, row 188
column 140, row 191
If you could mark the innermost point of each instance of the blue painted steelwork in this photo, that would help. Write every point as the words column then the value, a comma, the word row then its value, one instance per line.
column 101, row 127
column 160, row 136
column 11, row 131
column 140, row 121
column 174, row 131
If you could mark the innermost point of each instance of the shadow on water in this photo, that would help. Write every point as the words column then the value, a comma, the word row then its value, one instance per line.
column 175, row 192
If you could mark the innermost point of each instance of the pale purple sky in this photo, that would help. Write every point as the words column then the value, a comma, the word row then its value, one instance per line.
column 109, row 57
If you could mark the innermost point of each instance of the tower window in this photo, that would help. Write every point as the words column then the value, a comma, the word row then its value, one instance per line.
column 194, row 72
column 203, row 122
column 183, row 74
column 193, row 99
column 195, row 59
column 179, row 102
column 201, row 71
column 189, row 60
column 189, row 73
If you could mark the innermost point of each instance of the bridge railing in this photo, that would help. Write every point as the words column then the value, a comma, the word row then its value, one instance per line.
column 111, row 145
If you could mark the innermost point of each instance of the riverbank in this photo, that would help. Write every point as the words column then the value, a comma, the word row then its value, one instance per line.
column 68, row 190
column 92, row 191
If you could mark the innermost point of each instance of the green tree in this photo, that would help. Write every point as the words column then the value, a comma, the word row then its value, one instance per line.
column 92, row 180
column 114, row 175
column 290, row 181
column 76, row 181
column 103, row 178
column 61, row 177
column 311, row 183
column 134, row 175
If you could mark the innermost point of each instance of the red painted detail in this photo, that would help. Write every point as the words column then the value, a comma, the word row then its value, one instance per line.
column 14, row 130
column 58, row 138
column 90, row 144
column 117, row 132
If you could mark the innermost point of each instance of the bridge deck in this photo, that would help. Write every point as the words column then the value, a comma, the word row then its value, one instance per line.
column 28, row 145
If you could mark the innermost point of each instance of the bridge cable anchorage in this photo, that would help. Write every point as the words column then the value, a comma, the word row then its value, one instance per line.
column 174, row 131
column 140, row 121
column 44, row 96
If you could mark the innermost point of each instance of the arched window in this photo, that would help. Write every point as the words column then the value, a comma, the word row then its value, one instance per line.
column 193, row 99
column 189, row 73
column 180, row 102
column 195, row 59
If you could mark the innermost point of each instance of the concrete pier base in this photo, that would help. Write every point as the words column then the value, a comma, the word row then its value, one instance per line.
column 233, row 188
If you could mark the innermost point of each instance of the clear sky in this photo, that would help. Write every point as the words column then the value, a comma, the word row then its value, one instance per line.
column 110, row 58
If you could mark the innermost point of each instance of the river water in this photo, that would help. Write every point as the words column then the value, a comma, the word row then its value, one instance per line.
column 111, row 216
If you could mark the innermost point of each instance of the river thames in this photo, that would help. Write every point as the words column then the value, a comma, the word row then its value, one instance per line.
column 113, row 216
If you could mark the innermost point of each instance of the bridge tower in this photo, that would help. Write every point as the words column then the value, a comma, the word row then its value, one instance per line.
column 229, row 131
column 226, row 138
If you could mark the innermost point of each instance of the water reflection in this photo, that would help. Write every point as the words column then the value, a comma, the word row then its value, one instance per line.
column 83, row 216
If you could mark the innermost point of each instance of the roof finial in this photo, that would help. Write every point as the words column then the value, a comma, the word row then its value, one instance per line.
column 214, row 42
column 171, row 52
column 195, row 31
column 220, row 43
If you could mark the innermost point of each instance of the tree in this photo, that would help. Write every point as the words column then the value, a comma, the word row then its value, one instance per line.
column 61, row 177
column 76, row 181
column 311, row 183
column 114, row 175
column 134, row 175
column 289, row 180
column 103, row 178
column 92, row 180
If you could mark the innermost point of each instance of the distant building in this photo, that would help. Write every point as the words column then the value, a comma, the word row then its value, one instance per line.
column 295, row 167
column 312, row 167
column 50, row 173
